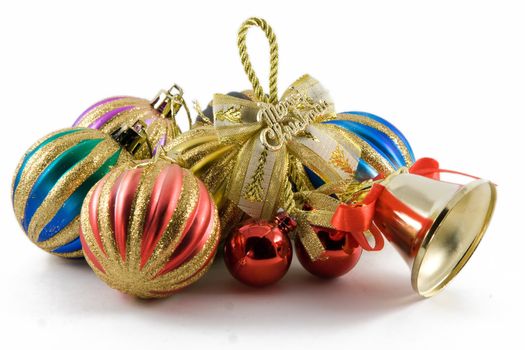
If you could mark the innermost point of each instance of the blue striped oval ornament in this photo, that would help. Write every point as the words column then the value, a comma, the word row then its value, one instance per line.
column 384, row 149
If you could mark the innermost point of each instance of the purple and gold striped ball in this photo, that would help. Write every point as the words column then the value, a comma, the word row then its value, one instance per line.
column 51, row 181
column 110, row 114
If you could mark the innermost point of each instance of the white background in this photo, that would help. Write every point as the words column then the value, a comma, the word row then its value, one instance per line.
column 449, row 74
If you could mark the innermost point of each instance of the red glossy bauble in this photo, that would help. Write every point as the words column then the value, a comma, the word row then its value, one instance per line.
column 259, row 253
column 341, row 254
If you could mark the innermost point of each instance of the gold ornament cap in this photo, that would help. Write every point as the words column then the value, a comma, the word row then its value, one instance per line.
column 133, row 137
column 169, row 102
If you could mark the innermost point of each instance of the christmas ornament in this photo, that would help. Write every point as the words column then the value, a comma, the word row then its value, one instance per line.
column 52, row 180
column 435, row 225
column 271, row 147
column 149, row 229
column 341, row 183
column 159, row 114
column 385, row 149
column 324, row 248
column 341, row 254
column 259, row 253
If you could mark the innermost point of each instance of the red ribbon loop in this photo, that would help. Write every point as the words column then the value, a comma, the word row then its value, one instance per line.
column 356, row 219
column 429, row 167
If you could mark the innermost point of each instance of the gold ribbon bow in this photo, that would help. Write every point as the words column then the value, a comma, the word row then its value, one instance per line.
column 272, row 131
column 255, row 152
column 318, row 208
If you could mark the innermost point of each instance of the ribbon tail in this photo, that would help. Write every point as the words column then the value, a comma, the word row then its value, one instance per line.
column 258, row 178
column 309, row 239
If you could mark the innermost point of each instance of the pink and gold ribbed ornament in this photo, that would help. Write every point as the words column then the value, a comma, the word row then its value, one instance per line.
column 110, row 114
column 149, row 230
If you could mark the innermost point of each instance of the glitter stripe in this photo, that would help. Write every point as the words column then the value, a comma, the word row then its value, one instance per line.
column 103, row 214
column 41, row 160
column 93, row 204
column 49, row 186
column 200, row 229
column 121, row 200
column 116, row 122
column 368, row 153
column 89, row 254
column 33, row 151
column 98, row 123
column 68, row 183
column 206, row 263
column 176, row 229
column 375, row 138
column 92, row 107
column 404, row 145
column 92, row 248
column 71, row 207
column 125, row 117
column 185, row 274
column 64, row 189
column 168, row 185
column 68, row 234
column 49, row 177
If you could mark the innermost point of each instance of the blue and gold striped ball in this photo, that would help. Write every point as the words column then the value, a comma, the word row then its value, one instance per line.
column 53, row 178
column 384, row 149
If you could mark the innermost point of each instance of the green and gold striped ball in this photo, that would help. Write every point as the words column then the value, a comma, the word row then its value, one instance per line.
column 51, row 181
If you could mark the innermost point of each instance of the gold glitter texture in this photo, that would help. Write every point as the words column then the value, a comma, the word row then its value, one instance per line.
column 132, row 275
column 68, row 182
column 160, row 129
column 338, row 158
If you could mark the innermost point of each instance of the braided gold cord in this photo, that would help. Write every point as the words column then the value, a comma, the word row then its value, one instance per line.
column 298, row 175
column 274, row 58
column 287, row 198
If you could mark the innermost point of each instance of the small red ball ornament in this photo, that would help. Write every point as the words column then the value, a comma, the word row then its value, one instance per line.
column 259, row 253
column 342, row 253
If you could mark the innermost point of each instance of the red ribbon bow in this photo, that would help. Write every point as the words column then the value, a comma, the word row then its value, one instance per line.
column 357, row 218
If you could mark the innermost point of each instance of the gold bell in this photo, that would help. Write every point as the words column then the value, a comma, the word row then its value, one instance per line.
column 435, row 225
